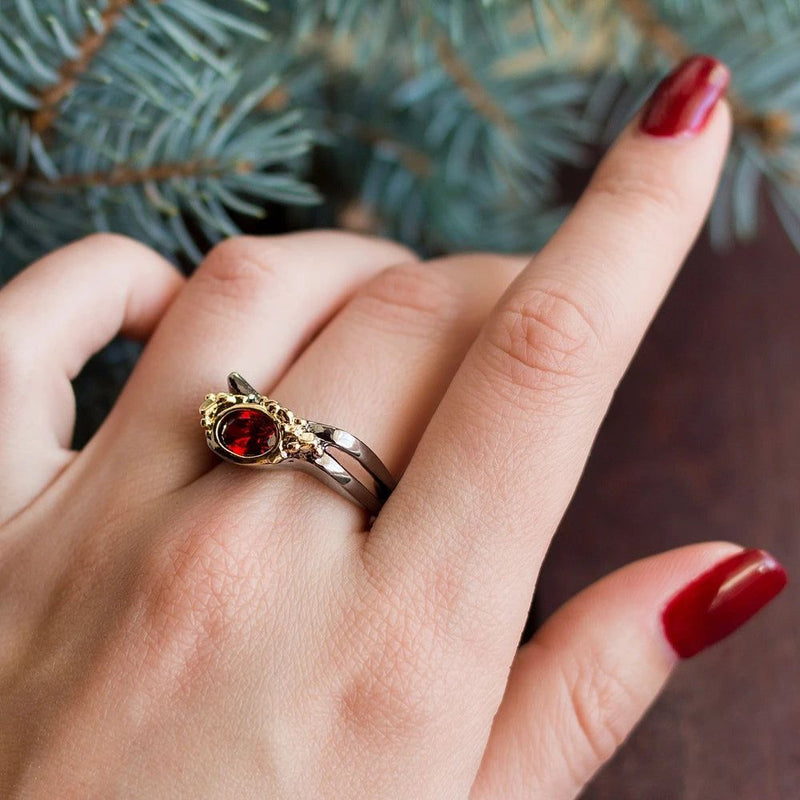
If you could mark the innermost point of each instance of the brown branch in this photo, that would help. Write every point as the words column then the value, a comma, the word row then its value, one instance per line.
column 772, row 128
column 70, row 71
column 123, row 176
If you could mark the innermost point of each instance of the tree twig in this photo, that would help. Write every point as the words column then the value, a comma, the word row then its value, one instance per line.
column 70, row 71
column 122, row 176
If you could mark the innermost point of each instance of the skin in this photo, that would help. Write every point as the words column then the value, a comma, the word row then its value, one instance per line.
column 173, row 626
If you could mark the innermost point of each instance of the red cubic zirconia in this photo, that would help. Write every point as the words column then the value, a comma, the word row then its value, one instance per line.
column 248, row 432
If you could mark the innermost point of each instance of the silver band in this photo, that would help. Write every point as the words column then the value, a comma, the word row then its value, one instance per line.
column 298, row 443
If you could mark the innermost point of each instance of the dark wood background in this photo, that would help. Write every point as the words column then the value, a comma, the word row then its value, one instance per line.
column 702, row 442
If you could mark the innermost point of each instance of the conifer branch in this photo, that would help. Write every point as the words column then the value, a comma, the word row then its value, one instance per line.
column 123, row 176
column 449, row 120
column 70, row 71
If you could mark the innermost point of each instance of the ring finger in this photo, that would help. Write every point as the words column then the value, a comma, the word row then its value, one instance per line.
column 381, row 366
column 250, row 306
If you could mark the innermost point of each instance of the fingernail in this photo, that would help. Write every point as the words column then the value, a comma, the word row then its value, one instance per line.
column 682, row 103
column 714, row 605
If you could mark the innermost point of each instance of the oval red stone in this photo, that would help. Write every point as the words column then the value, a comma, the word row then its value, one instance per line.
column 248, row 432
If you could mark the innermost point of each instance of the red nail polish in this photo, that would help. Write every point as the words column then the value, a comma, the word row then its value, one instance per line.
column 682, row 103
column 720, row 600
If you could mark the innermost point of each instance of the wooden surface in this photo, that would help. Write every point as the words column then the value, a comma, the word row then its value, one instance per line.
column 703, row 442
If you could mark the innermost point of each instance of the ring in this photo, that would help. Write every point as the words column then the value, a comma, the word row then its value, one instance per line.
column 247, row 428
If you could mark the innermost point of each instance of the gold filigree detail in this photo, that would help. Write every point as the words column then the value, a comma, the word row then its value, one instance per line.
column 295, row 438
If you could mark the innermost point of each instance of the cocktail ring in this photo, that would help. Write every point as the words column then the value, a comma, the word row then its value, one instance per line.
column 244, row 427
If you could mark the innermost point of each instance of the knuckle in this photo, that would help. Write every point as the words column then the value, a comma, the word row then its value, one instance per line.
column 241, row 268
column 635, row 191
column 388, row 695
column 542, row 338
column 240, row 265
column 408, row 296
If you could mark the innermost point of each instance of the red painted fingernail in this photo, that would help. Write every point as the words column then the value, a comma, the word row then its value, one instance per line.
column 720, row 600
column 682, row 103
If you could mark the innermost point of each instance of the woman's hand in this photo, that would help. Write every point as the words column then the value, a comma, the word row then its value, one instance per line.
column 173, row 626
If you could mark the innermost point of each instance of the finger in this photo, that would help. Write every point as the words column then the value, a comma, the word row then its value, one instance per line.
column 577, row 689
column 251, row 306
column 381, row 366
column 53, row 317
column 501, row 457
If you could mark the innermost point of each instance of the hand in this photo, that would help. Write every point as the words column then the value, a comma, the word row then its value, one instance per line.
column 173, row 626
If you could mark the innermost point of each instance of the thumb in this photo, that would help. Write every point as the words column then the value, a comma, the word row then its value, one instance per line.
column 580, row 685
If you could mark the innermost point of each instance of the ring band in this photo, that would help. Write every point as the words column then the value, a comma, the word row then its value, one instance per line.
column 246, row 428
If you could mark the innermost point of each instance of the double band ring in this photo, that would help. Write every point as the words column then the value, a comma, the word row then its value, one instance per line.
column 246, row 428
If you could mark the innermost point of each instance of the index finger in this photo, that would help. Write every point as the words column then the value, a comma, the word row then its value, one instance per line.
column 477, row 506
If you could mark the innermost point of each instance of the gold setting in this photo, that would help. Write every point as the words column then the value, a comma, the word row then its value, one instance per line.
column 294, row 442
column 295, row 439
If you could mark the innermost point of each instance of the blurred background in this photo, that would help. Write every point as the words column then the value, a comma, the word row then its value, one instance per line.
column 459, row 125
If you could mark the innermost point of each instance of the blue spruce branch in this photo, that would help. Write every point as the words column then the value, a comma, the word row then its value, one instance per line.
column 447, row 121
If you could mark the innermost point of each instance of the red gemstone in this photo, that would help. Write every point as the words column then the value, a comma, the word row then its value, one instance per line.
column 248, row 432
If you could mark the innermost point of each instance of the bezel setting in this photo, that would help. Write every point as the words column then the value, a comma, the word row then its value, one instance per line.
column 299, row 443
column 295, row 440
